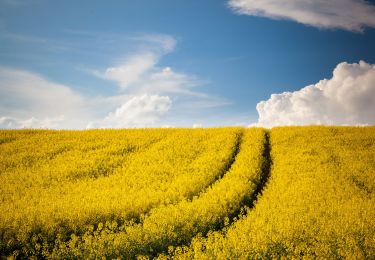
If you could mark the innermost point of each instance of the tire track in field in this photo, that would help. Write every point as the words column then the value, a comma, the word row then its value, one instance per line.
column 153, row 250
column 266, row 171
column 137, row 220
column 227, row 166
column 7, row 140
column 230, row 160
column 249, row 203
column 101, row 169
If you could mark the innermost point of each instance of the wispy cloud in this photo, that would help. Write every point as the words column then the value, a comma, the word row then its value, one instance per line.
column 352, row 15
column 138, row 111
column 141, row 76
column 131, row 71
column 348, row 98
column 15, row 123
column 35, row 93
column 28, row 100
column 146, row 92
column 23, row 38
column 159, row 43
column 139, row 73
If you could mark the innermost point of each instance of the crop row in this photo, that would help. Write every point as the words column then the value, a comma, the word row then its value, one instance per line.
column 106, row 175
column 172, row 225
column 319, row 201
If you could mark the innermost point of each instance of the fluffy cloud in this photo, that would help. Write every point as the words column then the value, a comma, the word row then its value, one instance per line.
column 138, row 111
column 29, row 100
column 348, row 98
column 144, row 96
column 352, row 15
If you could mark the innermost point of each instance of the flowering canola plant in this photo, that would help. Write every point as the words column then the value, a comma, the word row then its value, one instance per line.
column 220, row 193
column 319, row 201
column 176, row 224
column 58, row 183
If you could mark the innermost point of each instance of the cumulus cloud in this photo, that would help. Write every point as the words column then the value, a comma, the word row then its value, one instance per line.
column 352, row 15
column 348, row 98
column 138, row 111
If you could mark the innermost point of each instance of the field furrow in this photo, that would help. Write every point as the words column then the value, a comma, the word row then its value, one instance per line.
column 173, row 225
column 222, row 193
column 178, row 165
column 318, row 203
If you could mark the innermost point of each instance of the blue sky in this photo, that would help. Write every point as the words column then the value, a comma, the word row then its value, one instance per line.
column 78, row 64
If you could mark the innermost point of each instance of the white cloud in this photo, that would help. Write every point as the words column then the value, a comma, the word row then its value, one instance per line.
column 140, row 74
column 140, row 67
column 352, row 15
column 348, row 98
column 168, row 81
column 144, row 97
column 139, row 111
column 159, row 43
column 131, row 71
column 14, row 123
column 29, row 100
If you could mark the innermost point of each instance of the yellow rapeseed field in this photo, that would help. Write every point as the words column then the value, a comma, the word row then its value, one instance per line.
column 220, row 193
column 319, row 201
column 176, row 224
column 58, row 183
